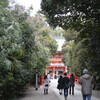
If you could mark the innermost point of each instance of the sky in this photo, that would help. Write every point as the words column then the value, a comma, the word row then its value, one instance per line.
column 27, row 3
column 60, row 42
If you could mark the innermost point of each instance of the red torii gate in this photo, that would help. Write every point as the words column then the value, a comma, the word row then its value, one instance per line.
column 56, row 63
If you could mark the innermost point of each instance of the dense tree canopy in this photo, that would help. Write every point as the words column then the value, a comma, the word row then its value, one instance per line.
column 20, row 53
column 71, row 13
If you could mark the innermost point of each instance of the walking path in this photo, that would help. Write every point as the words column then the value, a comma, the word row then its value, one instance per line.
column 32, row 94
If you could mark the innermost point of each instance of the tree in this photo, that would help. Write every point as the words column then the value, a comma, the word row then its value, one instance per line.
column 71, row 13
column 4, row 3
column 19, row 52
column 43, row 33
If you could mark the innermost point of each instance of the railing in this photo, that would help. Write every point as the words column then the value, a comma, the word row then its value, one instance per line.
column 76, row 78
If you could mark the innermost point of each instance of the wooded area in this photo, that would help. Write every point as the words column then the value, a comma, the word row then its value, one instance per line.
column 25, row 44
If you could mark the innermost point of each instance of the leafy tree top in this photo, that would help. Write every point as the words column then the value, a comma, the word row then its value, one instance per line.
column 71, row 13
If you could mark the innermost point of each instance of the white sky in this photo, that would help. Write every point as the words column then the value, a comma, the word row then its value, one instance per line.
column 60, row 42
column 28, row 3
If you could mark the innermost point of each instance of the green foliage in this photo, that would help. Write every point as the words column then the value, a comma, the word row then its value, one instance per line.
column 58, row 32
column 4, row 3
column 12, row 72
column 43, row 33
column 70, row 35
column 67, row 52
column 71, row 13
column 19, row 53
column 48, row 41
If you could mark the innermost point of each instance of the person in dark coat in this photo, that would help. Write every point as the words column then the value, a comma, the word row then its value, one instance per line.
column 86, row 81
column 60, row 84
column 65, row 85
column 71, row 84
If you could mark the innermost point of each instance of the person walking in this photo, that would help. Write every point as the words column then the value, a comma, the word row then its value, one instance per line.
column 71, row 84
column 45, row 84
column 86, row 81
column 60, row 84
column 65, row 85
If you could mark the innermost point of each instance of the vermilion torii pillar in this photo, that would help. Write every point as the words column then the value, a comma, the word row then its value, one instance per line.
column 46, row 71
column 64, row 69
column 53, row 71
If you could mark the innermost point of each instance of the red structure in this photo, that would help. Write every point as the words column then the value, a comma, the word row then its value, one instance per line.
column 56, row 65
column 41, row 80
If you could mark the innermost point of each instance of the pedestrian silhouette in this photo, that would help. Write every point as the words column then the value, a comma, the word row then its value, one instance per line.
column 71, row 84
column 65, row 85
column 60, row 84
column 86, row 81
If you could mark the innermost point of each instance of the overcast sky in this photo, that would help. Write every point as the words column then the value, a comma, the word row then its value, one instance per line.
column 60, row 42
column 28, row 3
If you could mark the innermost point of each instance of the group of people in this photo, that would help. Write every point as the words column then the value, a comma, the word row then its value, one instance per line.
column 66, row 83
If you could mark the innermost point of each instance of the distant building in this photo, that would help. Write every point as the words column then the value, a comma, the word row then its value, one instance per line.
column 56, row 66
